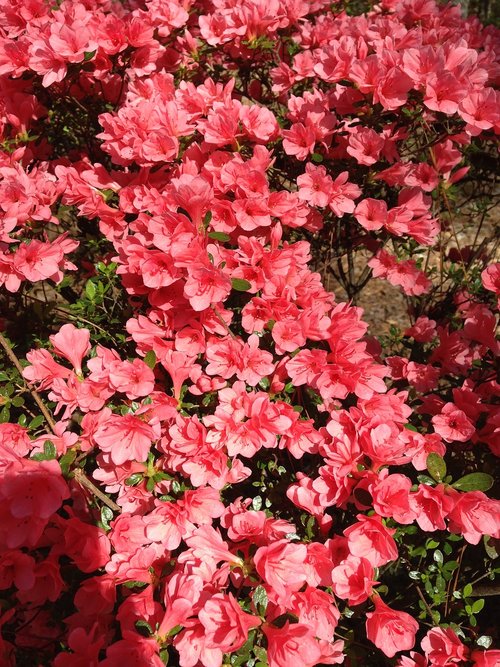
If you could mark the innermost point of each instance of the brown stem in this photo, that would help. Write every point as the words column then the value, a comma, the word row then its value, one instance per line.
column 452, row 584
column 36, row 396
column 222, row 321
column 422, row 597
column 66, row 313
column 80, row 476
column 82, row 479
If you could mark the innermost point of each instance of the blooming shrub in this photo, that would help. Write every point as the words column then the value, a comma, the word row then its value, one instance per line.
column 207, row 459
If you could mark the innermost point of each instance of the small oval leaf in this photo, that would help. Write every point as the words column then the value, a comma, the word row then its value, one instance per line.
column 492, row 547
column 106, row 517
column 150, row 359
column 240, row 285
column 475, row 481
column 90, row 290
column 484, row 641
column 219, row 236
column 134, row 479
column 436, row 466
column 260, row 599
column 49, row 450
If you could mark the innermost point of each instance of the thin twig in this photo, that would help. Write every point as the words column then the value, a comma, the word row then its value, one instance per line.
column 80, row 476
column 36, row 396
column 222, row 321
column 452, row 585
column 82, row 479
column 422, row 597
column 67, row 313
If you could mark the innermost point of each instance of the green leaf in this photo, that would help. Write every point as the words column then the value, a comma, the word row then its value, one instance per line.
column 317, row 158
column 450, row 566
column 66, row 460
column 174, row 631
column 160, row 476
column 107, row 194
column 491, row 546
column 49, row 449
column 417, row 551
column 260, row 600
column 410, row 427
column 484, row 641
column 90, row 290
column 150, row 359
column 144, row 628
column 135, row 584
column 240, row 285
column 438, row 557
column 257, row 503
column 425, row 479
column 477, row 606
column 106, row 516
column 436, row 466
column 88, row 55
column 467, row 592
column 476, row 481
column 49, row 452
column 4, row 414
column 207, row 219
column 134, row 479
column 219, row 236
column 260, row 654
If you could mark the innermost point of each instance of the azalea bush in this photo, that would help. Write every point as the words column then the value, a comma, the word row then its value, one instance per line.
column 208, row 459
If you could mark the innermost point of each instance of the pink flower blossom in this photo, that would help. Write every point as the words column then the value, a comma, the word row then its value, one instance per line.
column 292, row 644
column 37, row 260
column 353, row 580
column 443, row 648
column 134, row 379
column 475, row 515
column 315, row 186
column 370, row 539
column 342, row 195
column 281, row 566
column 485, row 658
column 452, row 424
column 226, row 624
column 206, row 286
column 126, row 438
column 390, row 630
column 30, row 493
column 431, row 506
column 73, row 344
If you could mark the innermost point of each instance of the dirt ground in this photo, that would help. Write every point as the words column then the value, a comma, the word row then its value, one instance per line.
column 384, row 305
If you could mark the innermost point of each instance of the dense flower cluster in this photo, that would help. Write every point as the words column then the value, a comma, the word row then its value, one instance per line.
column 242, row 476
